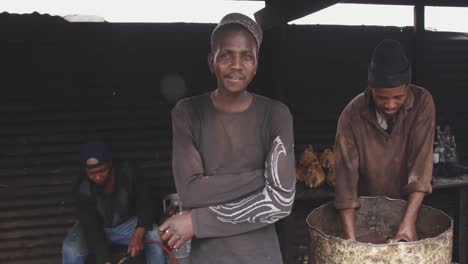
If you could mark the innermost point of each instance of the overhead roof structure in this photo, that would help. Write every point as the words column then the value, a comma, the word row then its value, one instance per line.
column 278, row 12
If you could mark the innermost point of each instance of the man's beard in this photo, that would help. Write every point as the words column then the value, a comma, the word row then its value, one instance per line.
column 101, row 186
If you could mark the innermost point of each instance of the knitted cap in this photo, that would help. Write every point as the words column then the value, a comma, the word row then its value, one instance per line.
column 389, row 66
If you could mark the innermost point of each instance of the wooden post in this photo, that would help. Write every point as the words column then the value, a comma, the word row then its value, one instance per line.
column 276, row 25
column 419, row 44
column 278, row 56
column 276, row 86
column 462, row 225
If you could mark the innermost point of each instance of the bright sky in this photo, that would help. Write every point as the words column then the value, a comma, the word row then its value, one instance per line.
column 201, row 11
column 438, row 18
column 211, row 11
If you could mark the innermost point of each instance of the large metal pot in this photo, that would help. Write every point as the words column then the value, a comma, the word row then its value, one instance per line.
column 379, row 215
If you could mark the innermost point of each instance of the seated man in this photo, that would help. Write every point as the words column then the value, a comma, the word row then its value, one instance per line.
column 113, row 206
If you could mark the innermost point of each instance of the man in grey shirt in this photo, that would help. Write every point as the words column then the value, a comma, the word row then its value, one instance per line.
column 233, row 158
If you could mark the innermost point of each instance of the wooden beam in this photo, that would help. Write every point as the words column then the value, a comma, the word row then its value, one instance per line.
column 278, row 12
column 270, row 16
column 447, row 3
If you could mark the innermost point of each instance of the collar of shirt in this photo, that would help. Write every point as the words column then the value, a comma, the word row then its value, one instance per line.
column 381, row 121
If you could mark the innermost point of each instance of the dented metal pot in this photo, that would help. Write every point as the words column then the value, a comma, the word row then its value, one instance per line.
column 378, row 219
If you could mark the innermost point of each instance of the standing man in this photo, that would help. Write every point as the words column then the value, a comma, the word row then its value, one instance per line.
column 384, row 141
column 233, row 158
column 113, row 206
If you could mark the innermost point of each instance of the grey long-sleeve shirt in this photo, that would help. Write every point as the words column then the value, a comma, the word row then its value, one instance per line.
column 236, row 172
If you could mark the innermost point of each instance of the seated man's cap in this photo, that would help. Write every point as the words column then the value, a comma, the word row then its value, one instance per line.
column 96, row 150
column 243, row 20
column 389, row 66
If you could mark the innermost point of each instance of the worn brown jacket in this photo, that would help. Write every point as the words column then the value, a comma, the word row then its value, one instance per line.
column 372, row 162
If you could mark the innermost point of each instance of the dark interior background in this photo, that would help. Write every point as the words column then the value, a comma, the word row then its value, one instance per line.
column 62, row 84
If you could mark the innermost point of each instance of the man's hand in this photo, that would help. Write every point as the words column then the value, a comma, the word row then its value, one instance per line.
column 406, row 232
column 177, row 230
column 407, row 229
column 136, row 244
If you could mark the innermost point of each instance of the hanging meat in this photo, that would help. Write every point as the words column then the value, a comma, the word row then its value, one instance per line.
column 327, row 159
column 309, row 169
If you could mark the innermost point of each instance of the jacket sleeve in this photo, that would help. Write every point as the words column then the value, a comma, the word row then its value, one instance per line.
column 91, row 225
column 347, row 164
column 145, row 209
column 187, row 165
column 266, row 206
column 421, row 149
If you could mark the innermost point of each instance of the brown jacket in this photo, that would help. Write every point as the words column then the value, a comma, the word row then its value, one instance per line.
column 372, row 162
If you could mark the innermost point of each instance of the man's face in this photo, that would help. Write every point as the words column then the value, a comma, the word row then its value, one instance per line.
column 99, row 175
column 234, row 60
column 388, row 101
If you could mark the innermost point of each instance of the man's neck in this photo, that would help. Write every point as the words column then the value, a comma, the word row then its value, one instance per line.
column 109, row 186
column 231, row 102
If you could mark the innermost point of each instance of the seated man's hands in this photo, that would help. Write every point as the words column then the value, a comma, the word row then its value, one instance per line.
column 137, row 244
column 177, row 230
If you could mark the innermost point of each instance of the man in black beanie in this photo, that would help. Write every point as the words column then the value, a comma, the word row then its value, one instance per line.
column 384, row 141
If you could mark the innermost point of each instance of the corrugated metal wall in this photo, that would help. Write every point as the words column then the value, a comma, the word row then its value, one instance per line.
column 39, row 163
column 445, row 74
column 65, row 84
column 326, row 68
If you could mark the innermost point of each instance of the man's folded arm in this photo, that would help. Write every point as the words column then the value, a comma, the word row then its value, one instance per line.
column 194, row 187
column 266, row 206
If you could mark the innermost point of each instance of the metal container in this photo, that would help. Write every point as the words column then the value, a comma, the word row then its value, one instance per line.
column 172, row 206
column 379, row 215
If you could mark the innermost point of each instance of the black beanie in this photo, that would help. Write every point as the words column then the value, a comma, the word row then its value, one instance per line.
column 389, row 66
